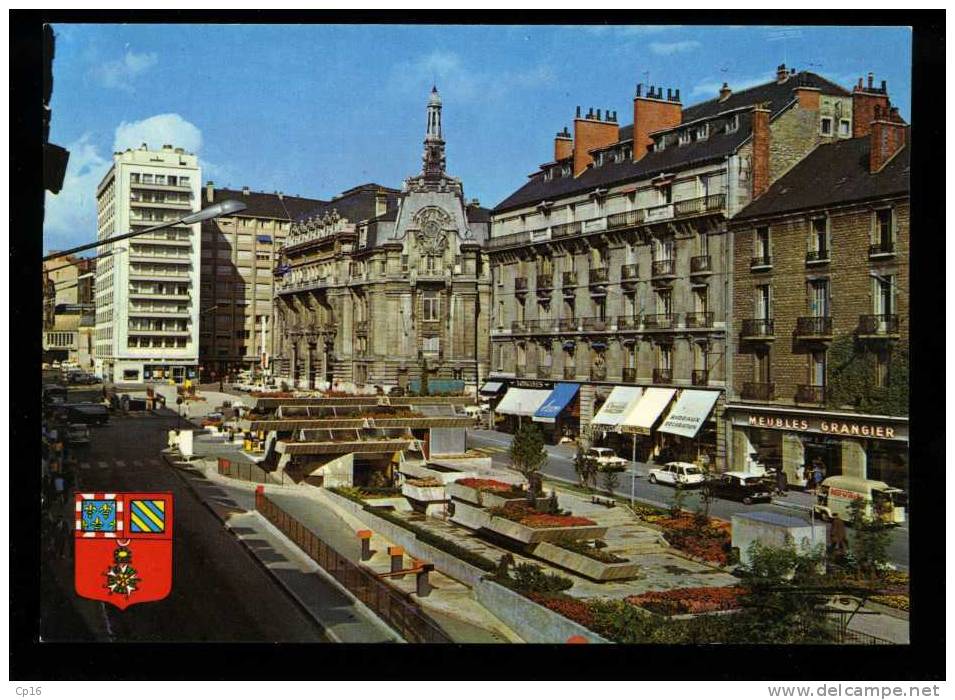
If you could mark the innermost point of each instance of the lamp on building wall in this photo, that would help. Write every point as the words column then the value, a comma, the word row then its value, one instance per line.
column 229, row 206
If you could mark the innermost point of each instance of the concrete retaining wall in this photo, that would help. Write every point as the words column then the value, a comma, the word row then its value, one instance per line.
column 443, row 562
column 585, row 566
column 537, row 624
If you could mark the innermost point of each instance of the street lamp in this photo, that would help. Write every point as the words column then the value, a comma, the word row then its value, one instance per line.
column 229, row 206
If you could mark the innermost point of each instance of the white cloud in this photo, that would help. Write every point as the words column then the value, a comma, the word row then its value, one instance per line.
column 462, row 83
column 120, row 73
column 157, row 131
column 711, row 88
column 71, row 215
column 666, row 49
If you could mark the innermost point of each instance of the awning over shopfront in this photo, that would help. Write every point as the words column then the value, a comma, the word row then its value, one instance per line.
column 556, row 402
column 492, row 388
column 689, row 412
column 621, row 400
column 522, row 402
column 645, row 412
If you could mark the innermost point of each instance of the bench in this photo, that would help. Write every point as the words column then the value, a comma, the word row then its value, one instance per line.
column 599, row 501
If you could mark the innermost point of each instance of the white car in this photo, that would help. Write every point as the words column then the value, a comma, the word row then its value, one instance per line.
column 675, row 473
column 605, row 459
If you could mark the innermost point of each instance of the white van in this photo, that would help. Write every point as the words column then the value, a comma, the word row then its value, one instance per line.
column 838, row 492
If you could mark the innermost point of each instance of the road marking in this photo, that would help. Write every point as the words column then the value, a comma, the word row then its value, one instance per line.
column 102, row 465
column 120, row 463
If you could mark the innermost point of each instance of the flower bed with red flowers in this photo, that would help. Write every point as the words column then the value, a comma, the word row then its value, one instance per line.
column 572, row 608
column 711, row 542
column 682, row 601
column 526, row 515
column 485, row 484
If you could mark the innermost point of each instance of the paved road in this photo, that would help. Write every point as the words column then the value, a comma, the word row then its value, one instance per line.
column 561, row 464
column 219, row 592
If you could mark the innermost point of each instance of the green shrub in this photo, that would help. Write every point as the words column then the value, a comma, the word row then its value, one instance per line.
column 530, row 578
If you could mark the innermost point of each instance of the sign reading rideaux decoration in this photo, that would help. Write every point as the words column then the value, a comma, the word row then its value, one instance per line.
column 123, row 547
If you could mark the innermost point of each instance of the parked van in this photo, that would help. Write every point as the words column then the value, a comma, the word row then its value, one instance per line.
column 838, row 492
column 78, row 434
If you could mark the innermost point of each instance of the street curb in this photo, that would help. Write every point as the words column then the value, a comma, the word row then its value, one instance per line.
column 332, row 635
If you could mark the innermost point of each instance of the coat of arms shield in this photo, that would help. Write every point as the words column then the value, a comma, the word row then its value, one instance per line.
column 123, row 552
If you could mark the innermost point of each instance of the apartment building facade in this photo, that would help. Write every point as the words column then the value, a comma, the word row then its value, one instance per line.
column 381, row 287
column 820, row 310
column 147, row 301
column 610, row 265
column 68, row 311
column 237, row 285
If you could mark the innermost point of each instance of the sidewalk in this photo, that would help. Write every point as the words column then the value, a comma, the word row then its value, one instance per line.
column 343, row 618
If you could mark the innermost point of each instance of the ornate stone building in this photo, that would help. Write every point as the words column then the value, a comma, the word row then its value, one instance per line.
column 378, row 287
column 610, row 264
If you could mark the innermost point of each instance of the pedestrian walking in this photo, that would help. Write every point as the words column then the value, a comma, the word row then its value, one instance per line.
column 818, row 473
column 838, row 539
column 59, row 485
column 781, row 483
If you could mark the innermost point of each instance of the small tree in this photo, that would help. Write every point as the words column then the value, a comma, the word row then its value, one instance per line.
column 528, row 455
column 611, row 479
column 677, row 501
column 585, row 468
column 702, row 513
column 870, row 542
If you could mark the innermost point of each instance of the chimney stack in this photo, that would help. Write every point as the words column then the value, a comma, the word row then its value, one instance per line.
column 808, row 97
column 652, row 113
column 245, row 190
column 782, row 75
column 563, row 145
column 886, row 138
column 209, row 192
column 865, row 100
column 725, row 92
column 759, row 172
column 589, row 133
column 381, row 203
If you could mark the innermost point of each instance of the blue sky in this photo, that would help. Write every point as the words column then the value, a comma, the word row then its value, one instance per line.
column 316, row 109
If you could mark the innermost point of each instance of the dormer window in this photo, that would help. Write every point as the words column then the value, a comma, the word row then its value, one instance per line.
column 549, row 174
column 565, row 171
column 600, row 158
column 659, row 144
column 732, row 124
column 627, row 153
column 685, row 137
column 702, row 132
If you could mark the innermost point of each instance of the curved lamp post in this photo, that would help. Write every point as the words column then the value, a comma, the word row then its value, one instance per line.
column 229, row 206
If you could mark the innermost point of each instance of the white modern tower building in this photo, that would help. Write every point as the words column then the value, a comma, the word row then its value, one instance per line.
column 147, row 300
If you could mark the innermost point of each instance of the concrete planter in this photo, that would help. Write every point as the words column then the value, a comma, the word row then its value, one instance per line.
column 488, row 499
column 421, row 472
column 533, row 535
column 426, row 494
column 583, row 565
column 470, row 516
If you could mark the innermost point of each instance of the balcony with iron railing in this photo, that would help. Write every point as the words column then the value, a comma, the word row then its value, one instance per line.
column 759, row 391
column 659, row 321
column 814, row 327
column 663, row 269
column 568, row 324
column 625, row 219
column 510, row 240
column 699, row 205
column 570, row 372
column 598, row 374
column 881, row 249
column 699, row 319
column 817, row 257
column 564, row 230
column 628, row 275
column 810, row 393
column 662, row 375
column 878, row 325
column 628, row 323
column 700, row 377
column 757, row 328
column 629, row 375
column 568, row 282
column 595, row 323
column 598, row 275
column 518, row 327
column 545, row 285
column 701, row 265
column 761, row 262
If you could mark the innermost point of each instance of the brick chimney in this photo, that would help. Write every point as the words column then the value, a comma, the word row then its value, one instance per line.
column 782, row 75
column 209, row 192
column 808, row 97
column 865, row 99
column 591, row 132
column 563, row 144
column 760, row 168
column 725, row 92
column 652, row 113
column 886, row 138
